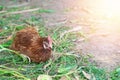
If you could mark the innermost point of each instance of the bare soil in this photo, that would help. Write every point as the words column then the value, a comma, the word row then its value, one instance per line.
column 103, row 41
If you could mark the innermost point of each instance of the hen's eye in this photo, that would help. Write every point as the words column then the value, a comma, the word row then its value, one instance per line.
column 45, row 45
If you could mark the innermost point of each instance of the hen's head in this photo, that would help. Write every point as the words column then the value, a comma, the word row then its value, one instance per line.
column 47, row 43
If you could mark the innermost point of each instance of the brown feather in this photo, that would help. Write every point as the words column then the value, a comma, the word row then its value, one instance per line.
column 28, row 42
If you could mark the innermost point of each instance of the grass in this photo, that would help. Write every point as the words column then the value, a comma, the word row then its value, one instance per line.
column 64, row 63
column 115, row 75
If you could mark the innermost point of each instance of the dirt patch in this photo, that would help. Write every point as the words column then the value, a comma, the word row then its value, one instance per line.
column 105, row 50
column 103, row 43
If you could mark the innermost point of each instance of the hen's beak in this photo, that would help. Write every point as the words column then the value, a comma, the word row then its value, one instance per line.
column 50, row 46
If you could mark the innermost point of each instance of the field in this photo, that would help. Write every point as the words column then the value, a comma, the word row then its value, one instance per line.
column 65, row 63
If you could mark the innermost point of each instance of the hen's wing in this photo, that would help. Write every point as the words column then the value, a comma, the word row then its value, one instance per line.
column 24, row 38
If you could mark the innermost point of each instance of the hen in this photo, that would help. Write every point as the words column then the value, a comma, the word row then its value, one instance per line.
column 29, row 43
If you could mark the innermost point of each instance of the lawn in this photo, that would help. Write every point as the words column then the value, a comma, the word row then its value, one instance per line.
column 65, row 64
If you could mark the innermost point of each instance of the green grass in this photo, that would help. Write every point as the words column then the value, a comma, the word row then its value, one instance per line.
column 63, row 64
column 115, row 74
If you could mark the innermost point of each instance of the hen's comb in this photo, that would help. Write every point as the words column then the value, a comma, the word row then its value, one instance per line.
column 49, row 39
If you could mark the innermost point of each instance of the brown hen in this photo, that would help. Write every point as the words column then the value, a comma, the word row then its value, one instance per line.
column 29, row 43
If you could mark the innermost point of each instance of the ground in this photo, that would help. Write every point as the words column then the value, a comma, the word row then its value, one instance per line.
column 100, row 41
